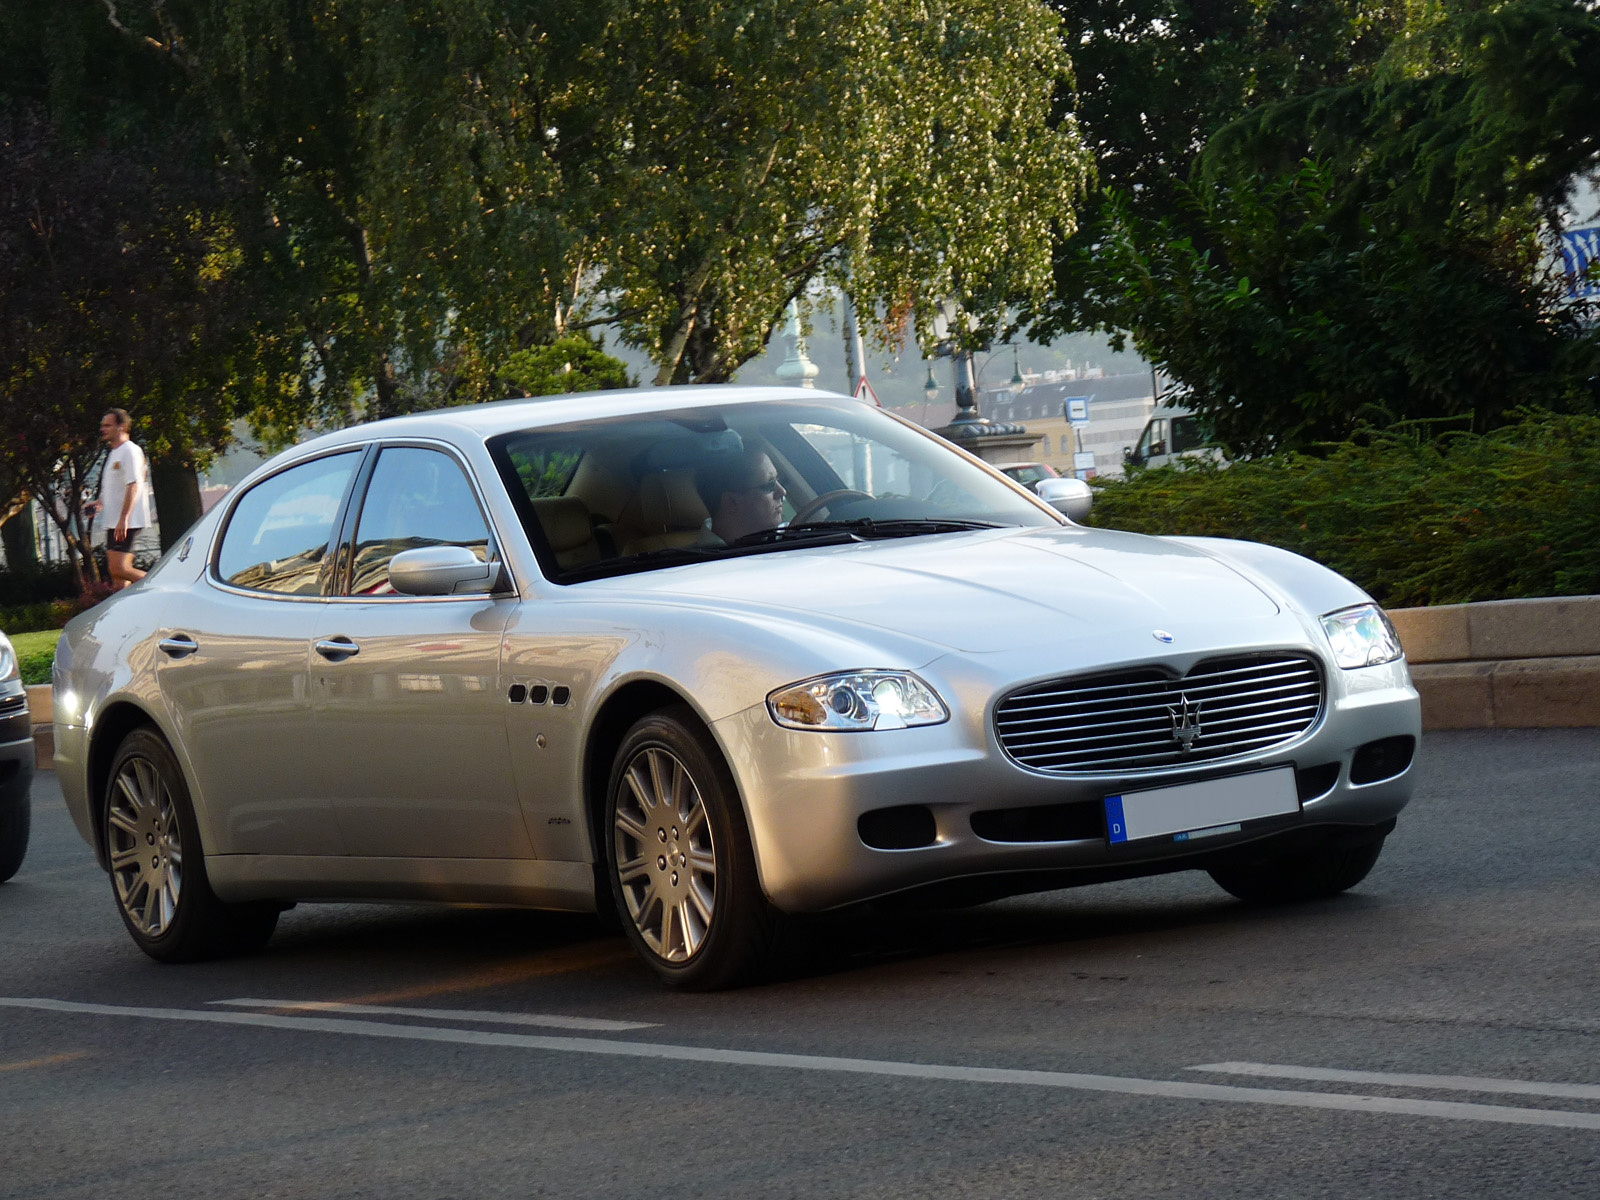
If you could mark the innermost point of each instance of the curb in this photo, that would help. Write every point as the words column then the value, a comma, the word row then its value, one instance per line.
column 1505, row 664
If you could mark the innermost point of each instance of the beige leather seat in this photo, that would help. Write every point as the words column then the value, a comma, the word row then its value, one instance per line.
column 666, row 512
column 568, row 529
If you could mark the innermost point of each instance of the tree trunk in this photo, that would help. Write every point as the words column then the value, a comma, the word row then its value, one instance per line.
column 176, row 486
column 18, row 537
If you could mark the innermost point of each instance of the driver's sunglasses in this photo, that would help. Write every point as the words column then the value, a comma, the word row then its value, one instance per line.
column 769, row 486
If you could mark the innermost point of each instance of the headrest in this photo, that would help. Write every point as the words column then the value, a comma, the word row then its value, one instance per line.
column 668, row 502
column 565, row 521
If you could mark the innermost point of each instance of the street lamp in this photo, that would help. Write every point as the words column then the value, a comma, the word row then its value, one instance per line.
column 930, row 389
column 1017, row 382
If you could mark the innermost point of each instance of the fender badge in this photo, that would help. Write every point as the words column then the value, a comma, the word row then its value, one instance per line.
column 1161, row 635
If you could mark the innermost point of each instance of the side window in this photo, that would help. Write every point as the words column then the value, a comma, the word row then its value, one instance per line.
column 1186, row 434
column 277, row 536
column 1155, row 438
column 417, row 497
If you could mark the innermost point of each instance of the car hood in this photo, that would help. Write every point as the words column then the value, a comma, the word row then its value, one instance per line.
column 985, row 591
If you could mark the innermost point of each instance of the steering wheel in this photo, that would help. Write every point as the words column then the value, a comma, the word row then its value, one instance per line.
column 810, row 509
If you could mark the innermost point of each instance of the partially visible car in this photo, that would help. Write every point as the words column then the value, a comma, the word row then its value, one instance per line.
column 1173, row 432
column 16, row 763
column 1029, row 474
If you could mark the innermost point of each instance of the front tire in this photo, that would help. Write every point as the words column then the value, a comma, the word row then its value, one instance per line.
column 157, row 866
column 682, row 872
column 16, row 816
column 1295, row 877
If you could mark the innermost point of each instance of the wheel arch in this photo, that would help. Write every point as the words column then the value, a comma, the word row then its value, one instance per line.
column 111, row 726
column 617, row 714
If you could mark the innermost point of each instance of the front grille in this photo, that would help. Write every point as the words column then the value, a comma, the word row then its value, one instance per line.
column 1137, row 719
column 11, row 704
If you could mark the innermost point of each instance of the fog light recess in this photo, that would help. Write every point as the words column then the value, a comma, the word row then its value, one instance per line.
column 1383, row 759
column 906, row 827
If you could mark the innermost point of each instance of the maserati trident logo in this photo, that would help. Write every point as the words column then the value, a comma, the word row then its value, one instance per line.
column 1185, row 716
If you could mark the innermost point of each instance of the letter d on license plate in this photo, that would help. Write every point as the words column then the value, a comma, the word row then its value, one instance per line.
column 1213, row 806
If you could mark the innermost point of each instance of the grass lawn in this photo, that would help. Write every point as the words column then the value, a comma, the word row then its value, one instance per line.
column 36, row 651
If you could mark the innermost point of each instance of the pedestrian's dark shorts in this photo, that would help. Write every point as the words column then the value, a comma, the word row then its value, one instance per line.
column 122, row 545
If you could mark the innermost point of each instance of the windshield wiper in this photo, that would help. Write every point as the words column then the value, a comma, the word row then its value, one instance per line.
column 825, row 533
column 870, row 527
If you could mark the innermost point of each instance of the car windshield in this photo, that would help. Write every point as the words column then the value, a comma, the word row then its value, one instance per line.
column 661, row 489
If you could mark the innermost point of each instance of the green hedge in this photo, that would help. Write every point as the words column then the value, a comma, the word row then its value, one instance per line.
column 36, row 654
column 1413, row 516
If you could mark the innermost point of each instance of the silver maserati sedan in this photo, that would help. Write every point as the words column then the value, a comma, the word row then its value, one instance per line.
column 709, row 659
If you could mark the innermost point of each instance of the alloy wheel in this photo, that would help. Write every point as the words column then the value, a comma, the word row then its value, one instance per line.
column 146, row 848
column 666, row 860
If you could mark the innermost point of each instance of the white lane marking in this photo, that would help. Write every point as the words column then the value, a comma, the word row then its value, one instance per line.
column 1169, row 1089
column 1456, row 1083
column 546, row 1020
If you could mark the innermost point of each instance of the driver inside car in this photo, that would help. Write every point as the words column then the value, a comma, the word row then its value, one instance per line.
column 742, row 494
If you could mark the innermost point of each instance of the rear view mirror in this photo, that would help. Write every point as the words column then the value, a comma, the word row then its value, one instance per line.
column 1072, row 498
column 441, row 571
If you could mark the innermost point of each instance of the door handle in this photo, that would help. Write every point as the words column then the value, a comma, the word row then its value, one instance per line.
column 179, row 645
column 337, row 649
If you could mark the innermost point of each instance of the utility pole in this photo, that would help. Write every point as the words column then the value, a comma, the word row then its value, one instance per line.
column 855, row 358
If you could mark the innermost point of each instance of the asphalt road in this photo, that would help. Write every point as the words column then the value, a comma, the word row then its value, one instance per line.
column 1436, row 1032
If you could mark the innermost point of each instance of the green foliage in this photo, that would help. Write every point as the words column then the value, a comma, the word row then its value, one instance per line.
column 36, row 654
column 1307, row 231
column 47, row 583
column 1289, row 323
column 545, row 470
column 1413, row 515
column 445, row 184
column 575, row 363
column 26, row 617
column 907, row 151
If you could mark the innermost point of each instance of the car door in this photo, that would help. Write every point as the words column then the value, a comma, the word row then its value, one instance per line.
column 234, row 664
column 409, row 707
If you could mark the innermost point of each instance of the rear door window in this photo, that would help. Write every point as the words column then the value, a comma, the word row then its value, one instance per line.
column 278, row 534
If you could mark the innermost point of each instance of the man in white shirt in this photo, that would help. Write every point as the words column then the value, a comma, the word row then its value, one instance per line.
column 123, row 509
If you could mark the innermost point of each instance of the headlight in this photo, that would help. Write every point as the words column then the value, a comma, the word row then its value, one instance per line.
column 1361, row 636
column 857, row 700
column 8, row 660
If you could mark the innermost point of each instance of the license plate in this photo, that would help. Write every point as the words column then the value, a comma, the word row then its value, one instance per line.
column 1189, row 811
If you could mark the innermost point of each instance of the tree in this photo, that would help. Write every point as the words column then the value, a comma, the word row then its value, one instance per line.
column 575, row 362
column 115, row 291
column 453, row 182
column 902, row 152
column 1365, row 246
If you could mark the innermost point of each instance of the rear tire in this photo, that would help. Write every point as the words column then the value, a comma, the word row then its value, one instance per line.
column 158, row 867
column 679, row 860
column 16, row 815
column 1295, row 877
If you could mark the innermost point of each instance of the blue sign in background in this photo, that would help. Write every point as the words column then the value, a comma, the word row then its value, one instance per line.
column 1580, row 248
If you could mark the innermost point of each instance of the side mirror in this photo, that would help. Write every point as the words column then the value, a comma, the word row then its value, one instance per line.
column 441, row 571
column 1127, row 455
column 1072, row 498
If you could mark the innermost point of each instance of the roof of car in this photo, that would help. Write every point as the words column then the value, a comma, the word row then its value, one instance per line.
column 507, row 416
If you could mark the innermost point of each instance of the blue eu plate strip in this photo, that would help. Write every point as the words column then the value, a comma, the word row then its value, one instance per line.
column 1116, row 827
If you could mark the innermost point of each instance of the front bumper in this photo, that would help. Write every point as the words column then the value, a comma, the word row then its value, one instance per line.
column 805, row 793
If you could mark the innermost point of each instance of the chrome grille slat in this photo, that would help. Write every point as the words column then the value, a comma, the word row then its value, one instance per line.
column 1017, row 723
column 1106, row 722
column 1196, row 692
column 1155, row 737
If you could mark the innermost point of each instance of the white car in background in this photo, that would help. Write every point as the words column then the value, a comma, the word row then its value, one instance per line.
column 1173, row 432
column 498, row 655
